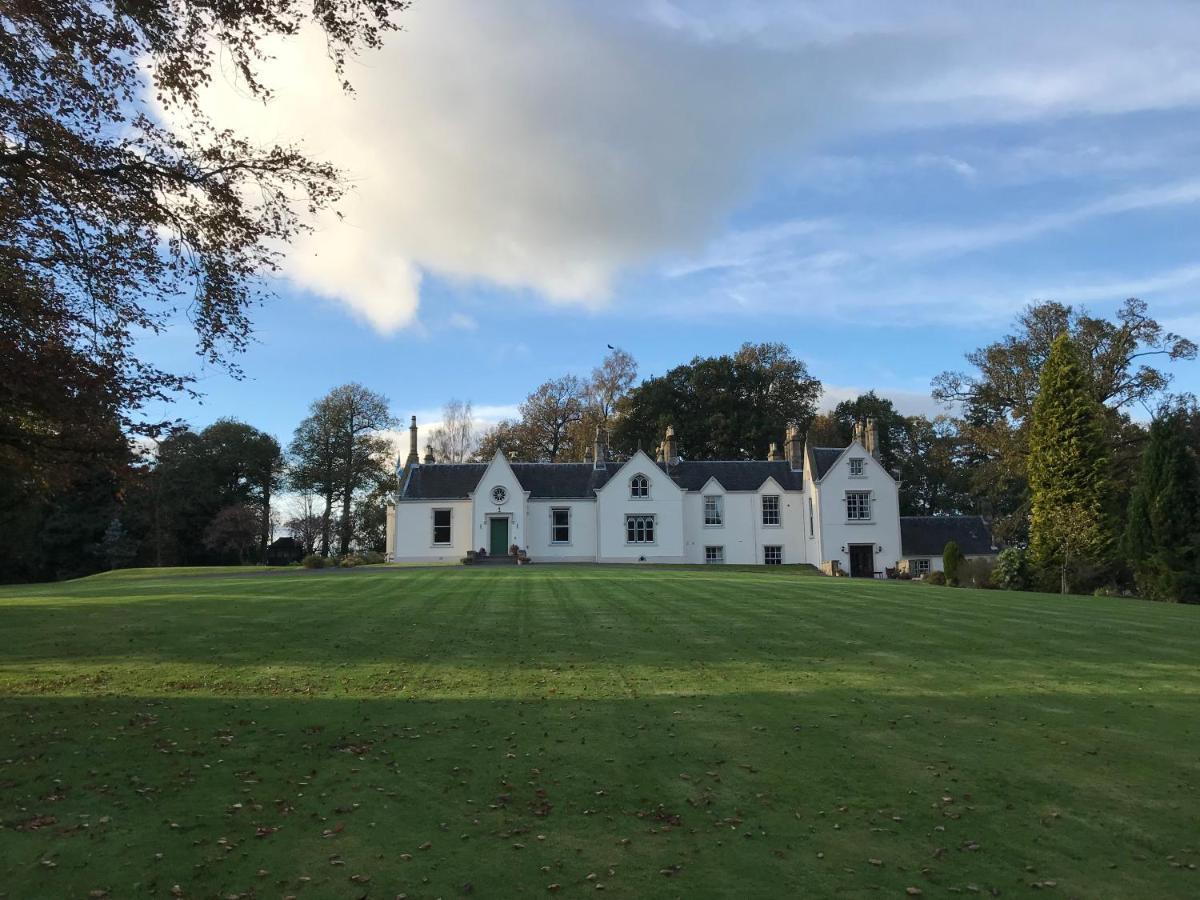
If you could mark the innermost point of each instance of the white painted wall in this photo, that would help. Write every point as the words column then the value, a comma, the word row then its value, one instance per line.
column 414, row 531
column 499, row 473
column 665, row 502
column 883, row 529
column 742, row 533
column 582, row 547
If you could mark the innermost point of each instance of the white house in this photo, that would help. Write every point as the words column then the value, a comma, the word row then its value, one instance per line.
column 833, row 507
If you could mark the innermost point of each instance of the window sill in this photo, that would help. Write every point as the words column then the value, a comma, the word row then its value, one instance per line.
column 714, row 524
column 860, row 521
column 772, row 524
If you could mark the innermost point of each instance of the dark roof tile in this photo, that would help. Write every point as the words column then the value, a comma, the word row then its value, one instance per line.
column 928, row 535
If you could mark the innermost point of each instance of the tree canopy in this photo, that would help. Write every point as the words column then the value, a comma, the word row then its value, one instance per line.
column 732, row 406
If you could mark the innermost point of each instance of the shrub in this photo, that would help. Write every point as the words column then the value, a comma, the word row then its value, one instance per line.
column 314, row 561
column 372, row 558
column 349, row 561
column 951, row 560
column 1011, row 572
column 935, row 578
column 976, row 573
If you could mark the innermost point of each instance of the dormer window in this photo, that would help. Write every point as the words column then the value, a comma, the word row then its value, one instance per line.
column 639, row 487
column 856, row 467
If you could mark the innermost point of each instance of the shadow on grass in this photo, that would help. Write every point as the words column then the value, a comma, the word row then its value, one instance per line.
column 832, row 792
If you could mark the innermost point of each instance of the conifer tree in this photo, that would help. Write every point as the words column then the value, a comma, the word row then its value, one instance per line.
column 1162, row 535
column 1069, row 528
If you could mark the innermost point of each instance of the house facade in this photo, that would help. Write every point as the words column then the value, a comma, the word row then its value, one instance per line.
column 837, row 508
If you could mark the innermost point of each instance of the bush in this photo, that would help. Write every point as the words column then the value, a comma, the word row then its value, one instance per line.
column 951, row 560
column 372, row 558
column 314, row 561
column 976, row 573
column 1011, row 572
column 935, row 578
column 349, row 561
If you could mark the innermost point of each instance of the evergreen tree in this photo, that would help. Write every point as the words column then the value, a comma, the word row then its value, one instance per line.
column 951, row 561
column 1069, row 528
column 1162, row 535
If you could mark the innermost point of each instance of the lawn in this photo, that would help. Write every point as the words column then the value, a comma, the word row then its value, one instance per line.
column 511, row 732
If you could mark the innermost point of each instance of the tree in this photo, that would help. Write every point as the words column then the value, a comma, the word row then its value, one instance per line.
column 339, row 452
column 951, row 561
column 610, row 381
column 547, row 417
column 826, row 430
column 454, row 441
column 306, row 525
column 117, row 549
column 889, row 424
column 722, row 407
column 113, row 218
column 250, row 463
column 1162, row 533
column 313, row 463
column 1069, row 527
column 997, row 399
column 116, row 223
column 234, row 529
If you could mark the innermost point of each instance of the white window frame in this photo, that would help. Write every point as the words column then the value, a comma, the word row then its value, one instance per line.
column 862, row 506
column 767, row 561
column 778, row 523
column 717, row 519
column 857, row 467
column 634, row 518
column 449, row 526
column 714, row 555
column 554, row 510
column 639, row 487
column 922, row 566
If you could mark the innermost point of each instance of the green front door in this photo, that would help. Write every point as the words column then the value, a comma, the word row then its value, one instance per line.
column 499, row 545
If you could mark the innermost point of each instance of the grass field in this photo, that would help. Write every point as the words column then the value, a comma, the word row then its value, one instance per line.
column 654, row 732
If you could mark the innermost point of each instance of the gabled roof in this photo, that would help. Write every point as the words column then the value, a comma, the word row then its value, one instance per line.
column 734, row 475
column 456, row 481
column 563, row 481
column 444, row 481
column 823, row 459
column 928, row 535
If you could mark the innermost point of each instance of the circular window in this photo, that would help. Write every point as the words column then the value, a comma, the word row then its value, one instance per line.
column 499, row 495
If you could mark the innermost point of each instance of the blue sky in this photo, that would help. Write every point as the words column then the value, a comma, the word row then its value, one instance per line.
column 881, row 186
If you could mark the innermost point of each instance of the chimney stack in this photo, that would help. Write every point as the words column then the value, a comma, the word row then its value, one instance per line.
column 773, row 454
column 670, row 447
column 429, row 460
column 414, row 458
column 600, row 454
column 794, row 448
column 872, row 433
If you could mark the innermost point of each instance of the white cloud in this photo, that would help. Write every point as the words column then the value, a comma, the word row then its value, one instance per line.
column 552, row 146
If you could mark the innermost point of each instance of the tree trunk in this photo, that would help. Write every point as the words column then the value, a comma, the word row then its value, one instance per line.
column 266, row 519
column 326, row 529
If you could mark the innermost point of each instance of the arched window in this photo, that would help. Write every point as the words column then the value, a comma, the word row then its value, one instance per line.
column 639, row 487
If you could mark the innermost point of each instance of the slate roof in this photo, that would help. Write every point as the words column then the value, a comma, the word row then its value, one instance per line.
column 561, row 481
column 735, row 475
column 928, row 535
column 564, row 481
column 823, row 459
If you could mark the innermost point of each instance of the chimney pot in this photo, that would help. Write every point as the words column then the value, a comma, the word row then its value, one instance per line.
column 670, row 447
column 794, row 448
column 600, row 453
column 414, row 458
